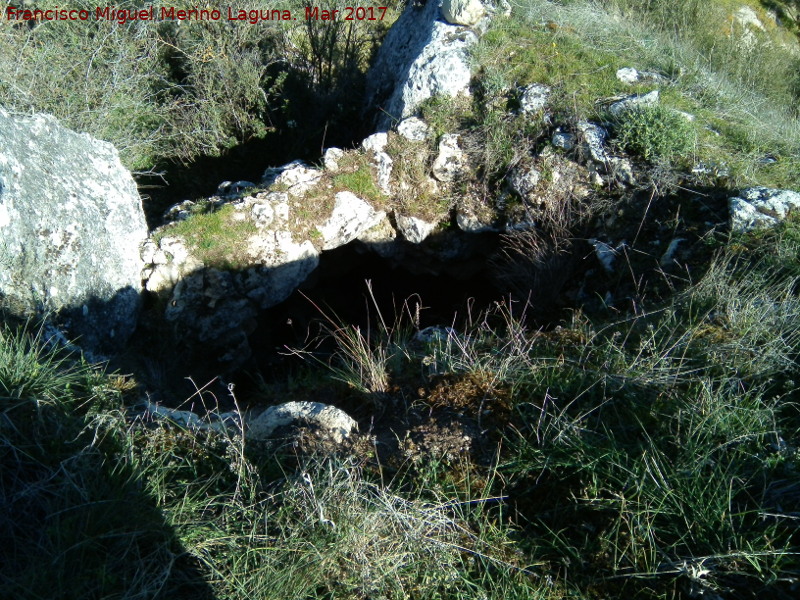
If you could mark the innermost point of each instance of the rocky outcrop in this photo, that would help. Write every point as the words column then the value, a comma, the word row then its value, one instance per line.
column 761, row 208
column 71, row 224
column 323, row 419
column 421, row 57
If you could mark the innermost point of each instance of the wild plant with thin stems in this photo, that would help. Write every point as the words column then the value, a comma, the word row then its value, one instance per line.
column 362, row 358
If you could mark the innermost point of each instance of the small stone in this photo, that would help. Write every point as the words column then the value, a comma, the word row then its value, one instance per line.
column 594, row 139
column 413, row 229
column 450, row 162
column 534, row 98
column 628, row 75
column 351, row 217
column 563, row 140
column 330, row 160
column 414, row 129
column 375, row 142
column 328, row 419
column 634, row 102
column 523, row 181
column 463, row 12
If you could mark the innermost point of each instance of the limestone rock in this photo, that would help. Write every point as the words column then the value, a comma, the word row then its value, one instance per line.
column 296, row 176
column 523, row 181
column 421, row 57
column 331, row 158
column 167, row 261
column 761, row 207
column 376, row 142
column 232, row 189
column 563, row 140
column 414, row 129
column 634, row 102
column 71, row 223
column 413, row 229
column 463, row 12
column 380, row 238
column 351, row 217
column 534, row 98
column 628, row 75
column 594, row 140
column 384, row 163
column 450, row 163
column 327, row 419
column 469, row 222
column 179, row 212
column 622, row 170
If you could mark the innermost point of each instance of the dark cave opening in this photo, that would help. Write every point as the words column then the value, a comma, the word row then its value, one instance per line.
column 359, row 288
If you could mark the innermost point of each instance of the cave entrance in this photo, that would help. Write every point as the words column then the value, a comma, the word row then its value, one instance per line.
column 358, row 288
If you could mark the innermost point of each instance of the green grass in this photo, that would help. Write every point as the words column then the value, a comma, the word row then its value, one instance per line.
column 744, row 99
column 360, row 181
column 216, row 238
column 643, row 456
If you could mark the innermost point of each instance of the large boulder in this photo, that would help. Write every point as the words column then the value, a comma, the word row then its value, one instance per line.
column 71, row 223
column 421, row 57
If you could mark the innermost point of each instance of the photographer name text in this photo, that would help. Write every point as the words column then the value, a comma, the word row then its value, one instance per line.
column 165, row 13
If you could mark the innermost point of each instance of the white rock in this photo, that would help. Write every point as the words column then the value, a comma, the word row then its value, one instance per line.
column 563, row 140
column 351, row 217
column 384, row 164
column 594, row 139
column 463, row 12
column 761, row 207
column 471, row 223
column 534, row 98
column 523, row 181
column 297, row 176
column 634, row 102
column 450, row 162
column 420, row 57
column 330, row 159
column 778, row 202
column 413, row 229
column 414, row 128
column 375, row 142
column 329, row 419
column 628, row 75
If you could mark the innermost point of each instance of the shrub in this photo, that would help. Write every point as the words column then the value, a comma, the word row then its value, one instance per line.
column 655, row 133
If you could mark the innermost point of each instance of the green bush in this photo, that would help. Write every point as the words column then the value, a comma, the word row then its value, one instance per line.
column 655, row 133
